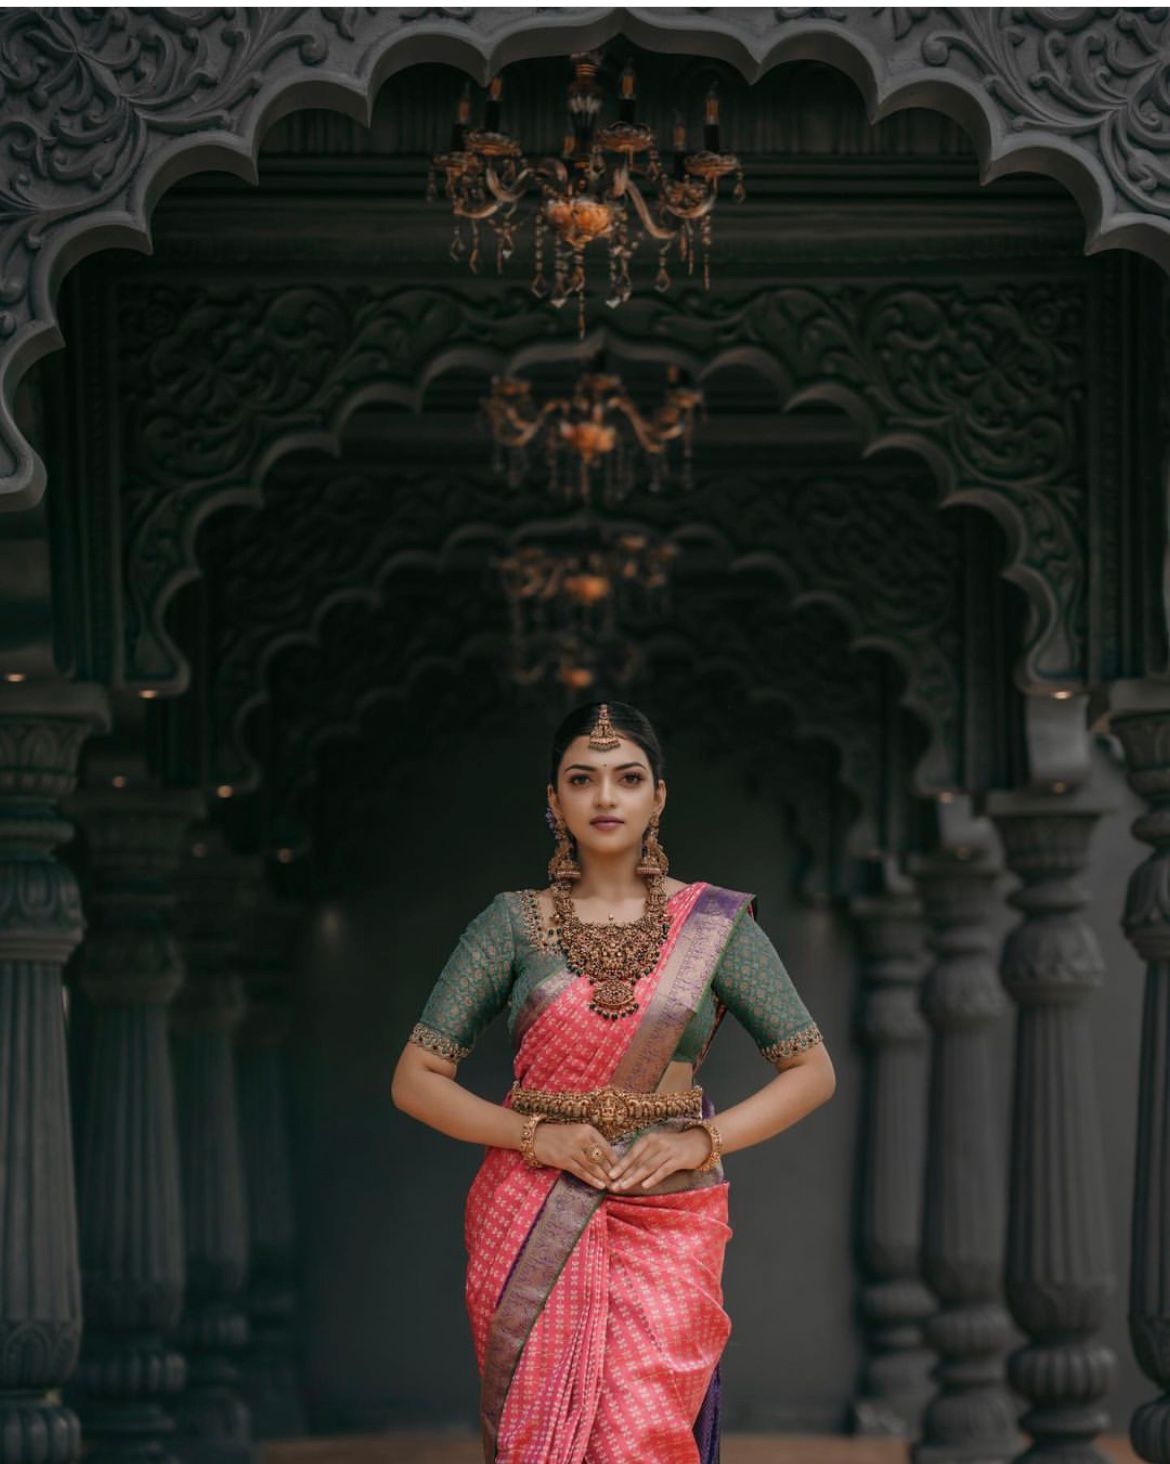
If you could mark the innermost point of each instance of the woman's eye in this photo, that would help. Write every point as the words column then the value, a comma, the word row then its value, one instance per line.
column 578, row 778
column 637, row 777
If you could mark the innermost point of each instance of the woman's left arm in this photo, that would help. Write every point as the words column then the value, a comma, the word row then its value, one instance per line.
column 803, row 1083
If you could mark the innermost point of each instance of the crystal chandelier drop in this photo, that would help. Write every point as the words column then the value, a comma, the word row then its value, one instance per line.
column 595, row 435
column 610, row 183
column 570, row 607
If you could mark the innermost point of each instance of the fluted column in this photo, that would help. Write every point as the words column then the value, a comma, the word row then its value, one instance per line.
column 894, row 1384
column 1146, row 739
column 271, row 1374
column 132, row 1262
column 213, row 1419
column 1058, row 1272
column 971, row 1416
column 42, row 729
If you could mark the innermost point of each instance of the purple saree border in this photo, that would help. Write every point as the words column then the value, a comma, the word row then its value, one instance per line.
column 571, row 1203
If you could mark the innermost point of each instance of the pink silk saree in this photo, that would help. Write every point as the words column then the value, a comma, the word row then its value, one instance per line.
column 597, row 1318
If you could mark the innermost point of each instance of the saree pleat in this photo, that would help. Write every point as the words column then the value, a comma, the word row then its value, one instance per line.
column 618, row 1362
column 605, row 1356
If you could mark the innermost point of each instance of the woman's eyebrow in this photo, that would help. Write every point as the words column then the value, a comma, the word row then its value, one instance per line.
column 592, row 767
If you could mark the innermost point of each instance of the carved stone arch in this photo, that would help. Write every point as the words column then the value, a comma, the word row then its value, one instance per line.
column 324, row 701
column 840, row 710
column 929, row 676
column 816, row 344
column 1017, row 80
column 920, row 639
column 234, row 764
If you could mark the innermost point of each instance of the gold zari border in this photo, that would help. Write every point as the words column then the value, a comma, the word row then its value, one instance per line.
column 438, row 1042
column 799, row 1042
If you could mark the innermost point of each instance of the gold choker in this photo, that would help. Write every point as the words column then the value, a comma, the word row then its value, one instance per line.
column 612, row 1111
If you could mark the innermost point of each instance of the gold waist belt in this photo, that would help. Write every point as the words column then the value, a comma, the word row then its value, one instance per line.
column 612, row 1111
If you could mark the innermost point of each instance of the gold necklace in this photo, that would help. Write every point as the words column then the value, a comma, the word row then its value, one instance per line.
column 612, row 956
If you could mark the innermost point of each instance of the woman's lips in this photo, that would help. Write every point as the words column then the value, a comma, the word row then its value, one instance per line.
column 607, row 823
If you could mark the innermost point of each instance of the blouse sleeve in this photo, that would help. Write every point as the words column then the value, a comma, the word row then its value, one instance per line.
column 472, row 987
column 752, row 983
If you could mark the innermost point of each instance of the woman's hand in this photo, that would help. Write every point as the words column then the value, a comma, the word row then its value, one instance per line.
column 656, row 1155
column 577, row 1148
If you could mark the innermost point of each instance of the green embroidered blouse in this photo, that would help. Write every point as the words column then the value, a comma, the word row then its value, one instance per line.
column 505, row 951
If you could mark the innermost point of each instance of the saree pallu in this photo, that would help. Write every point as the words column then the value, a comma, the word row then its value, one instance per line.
column 597, row 1318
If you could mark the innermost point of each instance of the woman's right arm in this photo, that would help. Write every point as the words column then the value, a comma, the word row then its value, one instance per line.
column 424, row 1086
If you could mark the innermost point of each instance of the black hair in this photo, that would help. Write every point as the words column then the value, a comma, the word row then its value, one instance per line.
column 624, row 718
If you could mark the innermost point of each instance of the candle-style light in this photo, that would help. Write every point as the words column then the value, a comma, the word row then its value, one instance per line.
column 609, row 184
column 572, row 606
column 595, row 437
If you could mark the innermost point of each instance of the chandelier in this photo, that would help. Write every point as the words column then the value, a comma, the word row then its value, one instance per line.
column 594, row 435
column 570, row 606
column 610, row 183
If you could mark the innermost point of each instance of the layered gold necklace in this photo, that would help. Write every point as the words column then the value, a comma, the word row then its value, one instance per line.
column 613, row 956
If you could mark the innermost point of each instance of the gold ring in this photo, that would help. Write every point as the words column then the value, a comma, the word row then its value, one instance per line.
column 595, row 1153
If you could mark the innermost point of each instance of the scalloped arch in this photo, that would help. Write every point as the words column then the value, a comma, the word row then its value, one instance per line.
column 1044, row 623
column 970, row 65
column 491, row 649
column 936, row 767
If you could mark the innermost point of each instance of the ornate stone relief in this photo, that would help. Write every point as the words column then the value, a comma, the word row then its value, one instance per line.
column 868, row 543
column 984, row 379
column 107, row 107
column 749, row 644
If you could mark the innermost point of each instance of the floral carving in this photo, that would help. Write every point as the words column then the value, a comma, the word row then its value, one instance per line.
column 94, row 100
column 870, row 542
column 986, row 378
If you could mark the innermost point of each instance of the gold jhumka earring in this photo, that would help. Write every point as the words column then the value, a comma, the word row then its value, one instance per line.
column 563, row 867
column 653, row 863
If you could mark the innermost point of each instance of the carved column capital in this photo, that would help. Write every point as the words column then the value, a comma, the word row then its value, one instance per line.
column 962, row 989
column 134, row 838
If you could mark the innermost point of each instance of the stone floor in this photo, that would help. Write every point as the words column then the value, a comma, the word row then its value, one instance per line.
column 737, row 1449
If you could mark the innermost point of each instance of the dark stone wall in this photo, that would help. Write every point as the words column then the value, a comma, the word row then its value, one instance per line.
column 385, row 1334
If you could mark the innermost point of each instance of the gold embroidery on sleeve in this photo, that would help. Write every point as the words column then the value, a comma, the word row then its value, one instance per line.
column 438, row 1042
column 799, row 1042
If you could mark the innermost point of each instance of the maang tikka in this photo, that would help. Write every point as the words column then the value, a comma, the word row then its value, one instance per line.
column 604, row 736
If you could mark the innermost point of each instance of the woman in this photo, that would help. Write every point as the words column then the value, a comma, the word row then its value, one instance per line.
column 596, row 1224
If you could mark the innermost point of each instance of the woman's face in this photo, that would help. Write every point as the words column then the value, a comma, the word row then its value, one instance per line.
column 606, row 798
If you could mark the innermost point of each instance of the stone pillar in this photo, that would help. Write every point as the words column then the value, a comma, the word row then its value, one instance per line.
column 271, row 1373
column 894, row 1385
column 1058, row 1272
column 132, row 1264
column 213, row 1420
column 1146, row 740
column 971, row 1417
column 42, row 729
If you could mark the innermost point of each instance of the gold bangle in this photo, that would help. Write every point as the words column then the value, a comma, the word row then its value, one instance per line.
column 528, row 1140
column 716, row 1138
